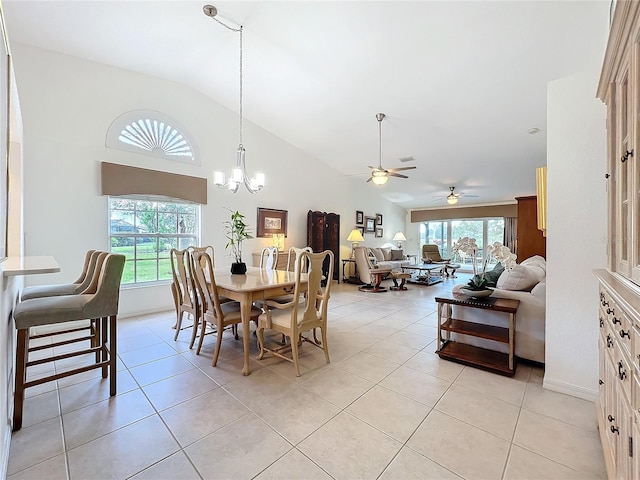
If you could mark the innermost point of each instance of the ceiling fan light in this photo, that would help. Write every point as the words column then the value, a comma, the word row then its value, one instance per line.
column 452, row 199
column 379, row 179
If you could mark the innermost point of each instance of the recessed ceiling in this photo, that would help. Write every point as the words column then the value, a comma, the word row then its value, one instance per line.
column 461, row 83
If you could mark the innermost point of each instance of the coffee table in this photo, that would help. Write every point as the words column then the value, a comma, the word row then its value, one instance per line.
column 425, row 273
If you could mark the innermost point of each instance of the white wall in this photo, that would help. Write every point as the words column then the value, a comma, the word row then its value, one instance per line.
column 67, row 107
column 576, row 231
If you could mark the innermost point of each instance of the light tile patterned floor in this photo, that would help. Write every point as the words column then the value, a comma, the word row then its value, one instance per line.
column 385, row 407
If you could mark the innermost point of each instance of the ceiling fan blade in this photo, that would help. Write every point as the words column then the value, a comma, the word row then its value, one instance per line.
column 467, row 195
column 400, row 169
column 391, row 174
column 369, row 179
column 375, row 168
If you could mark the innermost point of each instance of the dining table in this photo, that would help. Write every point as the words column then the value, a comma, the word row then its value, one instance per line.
column 256, row 284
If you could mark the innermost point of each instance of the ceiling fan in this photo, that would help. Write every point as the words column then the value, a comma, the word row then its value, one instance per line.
column 452, row 198
column 380, row 175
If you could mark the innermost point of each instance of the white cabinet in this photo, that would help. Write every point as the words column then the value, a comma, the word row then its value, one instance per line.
column 619, row 375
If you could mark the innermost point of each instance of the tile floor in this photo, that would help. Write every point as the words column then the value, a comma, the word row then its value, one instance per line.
column 385, row 407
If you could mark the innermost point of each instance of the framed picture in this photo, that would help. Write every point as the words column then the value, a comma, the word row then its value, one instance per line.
column 271, row 221
column 359, row 217
column 379, row 232
column 378, row 219
column 369, row 224
column 361, row 230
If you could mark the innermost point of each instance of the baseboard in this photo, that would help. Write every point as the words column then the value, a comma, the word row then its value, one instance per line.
column 4, row 466
column 570, row 389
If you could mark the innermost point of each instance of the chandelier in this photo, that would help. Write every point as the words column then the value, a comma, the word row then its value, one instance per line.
column 239, row 173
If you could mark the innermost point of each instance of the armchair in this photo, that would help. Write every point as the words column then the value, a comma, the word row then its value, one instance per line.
column 370, row 276
column 431, row 254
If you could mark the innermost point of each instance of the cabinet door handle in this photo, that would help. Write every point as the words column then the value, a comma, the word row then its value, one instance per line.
column 602, row 383
column 626, row 156
column 610, row 311
column 610, row 418
column 621, row 373
column 617, row 320
column 623, row 334
column 609, row 341
column 601, row 322
column 615, row 430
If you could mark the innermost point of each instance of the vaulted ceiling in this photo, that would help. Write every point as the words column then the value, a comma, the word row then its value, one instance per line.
column 461, row 83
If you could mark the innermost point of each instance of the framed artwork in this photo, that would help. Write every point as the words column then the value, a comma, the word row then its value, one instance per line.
column 379, row 232
column 359, row 217
column 378, row 219
column 271, row 221
column 369, row 224
column 361, row 230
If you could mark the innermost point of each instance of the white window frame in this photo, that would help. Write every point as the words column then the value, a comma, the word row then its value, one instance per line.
column 162, row 257
column 152, row 133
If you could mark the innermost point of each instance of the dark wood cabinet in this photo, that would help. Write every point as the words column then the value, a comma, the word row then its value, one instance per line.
column 530, row 240
column 323, row 233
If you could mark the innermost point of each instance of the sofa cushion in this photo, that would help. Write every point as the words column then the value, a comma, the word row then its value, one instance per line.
column 521, row 277
column 397, row 255
column 386, row 253
column 536, row 260
column 377, row 253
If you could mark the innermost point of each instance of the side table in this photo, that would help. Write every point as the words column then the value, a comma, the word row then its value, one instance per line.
column 355, row 278
column 484, row 358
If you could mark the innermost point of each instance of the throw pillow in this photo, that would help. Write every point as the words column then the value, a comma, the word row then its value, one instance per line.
column 521, row 278
column 378, row 254
column 386, row 253
column 493, row 275
column 397, row 255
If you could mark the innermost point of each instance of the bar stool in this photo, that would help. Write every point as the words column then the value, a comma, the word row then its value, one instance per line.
column 39, row 291
column 99, row 305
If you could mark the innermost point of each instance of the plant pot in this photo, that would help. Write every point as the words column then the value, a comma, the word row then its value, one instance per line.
column 238, row 268
column 477, row 293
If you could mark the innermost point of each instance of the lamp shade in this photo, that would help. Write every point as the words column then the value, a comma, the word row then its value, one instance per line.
column 399, row 237
column 355, row 236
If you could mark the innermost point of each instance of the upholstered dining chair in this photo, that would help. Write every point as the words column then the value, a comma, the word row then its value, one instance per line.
column 370, row 276
column 294, row 318
column 184, row 293
column 98, row 305
column 269, row 258
column 83, row 281
column 214, row 312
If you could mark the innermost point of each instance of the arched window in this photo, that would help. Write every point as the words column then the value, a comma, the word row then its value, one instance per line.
column 151, row 133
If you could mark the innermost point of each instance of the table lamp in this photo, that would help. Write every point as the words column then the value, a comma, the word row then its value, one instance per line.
column 278, row 241
column 399, row 237
column 354, row 237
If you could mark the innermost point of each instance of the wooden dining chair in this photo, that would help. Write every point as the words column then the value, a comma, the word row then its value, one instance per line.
column 294, row 318
column 219, row 315
column 184, row 293
column 269, row 258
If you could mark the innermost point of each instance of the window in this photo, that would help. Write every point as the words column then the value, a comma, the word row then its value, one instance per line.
column 145, row 231
column 151, row 133
column 444, row 233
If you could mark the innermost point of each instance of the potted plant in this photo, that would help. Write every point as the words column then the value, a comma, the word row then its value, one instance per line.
column 236, row 230
column 482, row 281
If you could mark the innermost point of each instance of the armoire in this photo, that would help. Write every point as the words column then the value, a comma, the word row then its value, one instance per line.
column 530, row 241
column 323, row 233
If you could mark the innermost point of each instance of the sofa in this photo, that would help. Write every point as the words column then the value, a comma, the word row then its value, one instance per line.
column 525, row 282
column 387, row 257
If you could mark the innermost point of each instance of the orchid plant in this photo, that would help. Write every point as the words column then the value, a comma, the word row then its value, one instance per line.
column 468, row 247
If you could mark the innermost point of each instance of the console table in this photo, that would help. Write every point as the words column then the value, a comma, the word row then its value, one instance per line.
column 484, row 358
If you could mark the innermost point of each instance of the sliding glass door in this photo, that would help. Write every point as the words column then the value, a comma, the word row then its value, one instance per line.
column 444, row 233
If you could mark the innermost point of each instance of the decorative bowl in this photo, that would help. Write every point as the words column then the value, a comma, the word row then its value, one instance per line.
column 477, row 293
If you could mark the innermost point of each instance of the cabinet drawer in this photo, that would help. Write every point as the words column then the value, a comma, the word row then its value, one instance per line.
column 623, row 372
column 624, row 333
